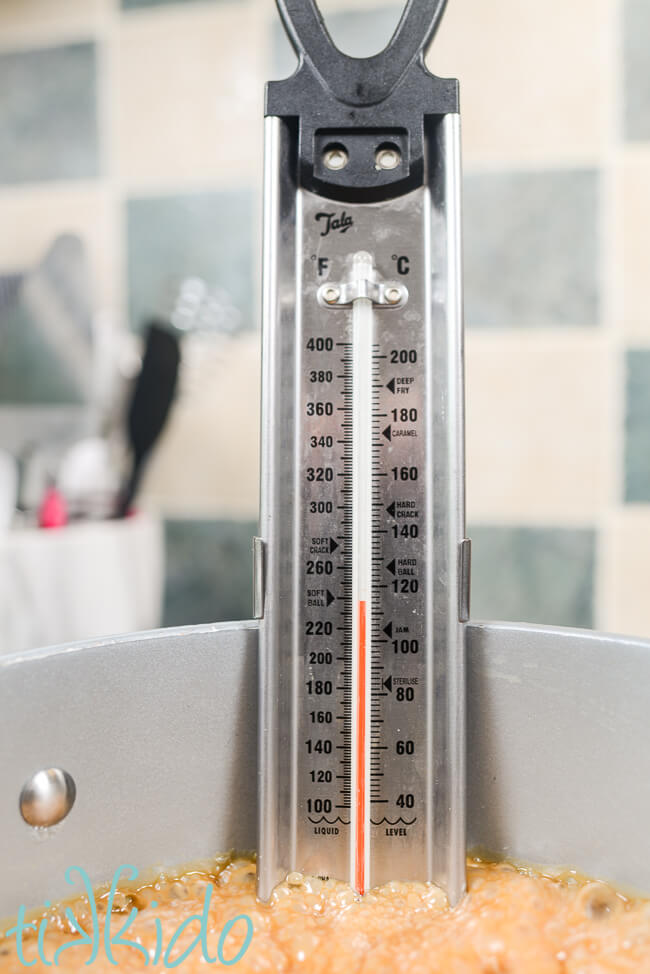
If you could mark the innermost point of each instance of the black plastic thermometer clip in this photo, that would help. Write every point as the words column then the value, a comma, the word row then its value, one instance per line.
column 348, row 111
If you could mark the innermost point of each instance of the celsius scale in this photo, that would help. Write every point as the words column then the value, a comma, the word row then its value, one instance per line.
column 329, row 733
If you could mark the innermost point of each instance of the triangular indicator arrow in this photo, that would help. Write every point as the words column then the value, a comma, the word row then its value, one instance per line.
column 391, row 509
column 333, row 545
column 388, row 684
column 330, row 598
column 389, row 629
column 391, row 385
column 391, row 566
column 386, row 433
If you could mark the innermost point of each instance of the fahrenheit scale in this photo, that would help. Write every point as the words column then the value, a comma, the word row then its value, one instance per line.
column 362, row 563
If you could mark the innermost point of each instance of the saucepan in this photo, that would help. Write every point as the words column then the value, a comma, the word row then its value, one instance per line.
column 142, row 750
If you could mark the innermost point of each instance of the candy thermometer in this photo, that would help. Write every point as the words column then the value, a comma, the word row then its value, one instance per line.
column 352, row 730
column 362, row 565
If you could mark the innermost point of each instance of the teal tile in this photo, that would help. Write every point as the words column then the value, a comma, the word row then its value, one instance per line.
column 32, row 372
column 209, row 571
column 526, row 574
column 46, row 330
column 637, row 426
column 531, row 248
column 636, row 65
column 359, row 33
column 205, row 235
column 48, row 114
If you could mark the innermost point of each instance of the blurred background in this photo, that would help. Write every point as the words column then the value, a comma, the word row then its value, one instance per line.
column 130, row 195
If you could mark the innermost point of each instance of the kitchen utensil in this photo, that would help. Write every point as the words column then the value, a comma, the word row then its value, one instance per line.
column 362, row 524
column 150, row 404
column 88, row 479
column 54, row 325
column 159, row 732
column 8, row 489
column 53, row 511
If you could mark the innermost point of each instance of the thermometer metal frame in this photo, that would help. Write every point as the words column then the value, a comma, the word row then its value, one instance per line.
column 307, row 823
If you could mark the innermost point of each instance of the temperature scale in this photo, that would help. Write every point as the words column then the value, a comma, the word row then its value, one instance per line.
column 362, row 565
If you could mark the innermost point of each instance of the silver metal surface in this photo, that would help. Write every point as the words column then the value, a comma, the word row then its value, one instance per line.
column 258, row 578
column 379, row 292
column 416, row 751
column 159, row 732
column 47, row 797
column 276, row 699
column 387, row 159
column 335, row 158
column 465, row 577
column 559, row 766
column 330, row 294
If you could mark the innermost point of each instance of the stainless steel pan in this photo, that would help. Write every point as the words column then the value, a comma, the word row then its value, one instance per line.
column 158, row 732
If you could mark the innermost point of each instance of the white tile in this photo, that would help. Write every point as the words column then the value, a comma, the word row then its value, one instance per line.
column 626, row 571
column 31, row 217
column 47, row 22
column 190, row 96
column 534, row 77
column 207, row 464
column 538, row 442
column 633, row 221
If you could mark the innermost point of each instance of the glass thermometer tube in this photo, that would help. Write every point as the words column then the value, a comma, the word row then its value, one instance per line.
column 362, row 402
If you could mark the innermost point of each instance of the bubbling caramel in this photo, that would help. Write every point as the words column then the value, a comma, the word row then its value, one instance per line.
column 512, row 921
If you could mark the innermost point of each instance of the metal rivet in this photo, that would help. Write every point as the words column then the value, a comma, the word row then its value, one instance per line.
column 47, row 797
column 331, row 294
column 393, row 295
column 387, row 159
column 335, row 158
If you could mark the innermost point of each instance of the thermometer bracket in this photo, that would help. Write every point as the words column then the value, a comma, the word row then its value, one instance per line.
column 361, row 107
column 343, row 294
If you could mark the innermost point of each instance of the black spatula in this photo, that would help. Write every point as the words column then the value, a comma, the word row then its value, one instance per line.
column 150, row 404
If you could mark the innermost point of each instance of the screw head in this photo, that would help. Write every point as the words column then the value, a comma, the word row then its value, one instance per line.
column 393, row 295
column 335, row 159
column 47, row 797
column 331, row 294
column 387, row 159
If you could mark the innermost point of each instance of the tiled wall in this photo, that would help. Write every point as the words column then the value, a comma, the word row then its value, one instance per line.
column 139, row 127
